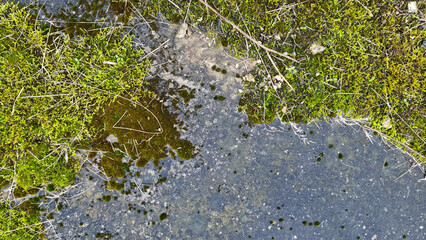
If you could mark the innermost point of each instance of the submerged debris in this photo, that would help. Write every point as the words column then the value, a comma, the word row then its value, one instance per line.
column 141, row 130
column 181, row 32
column 316, row 48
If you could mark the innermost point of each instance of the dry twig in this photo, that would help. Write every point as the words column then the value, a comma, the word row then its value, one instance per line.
column 399, row 142
column 245, row 34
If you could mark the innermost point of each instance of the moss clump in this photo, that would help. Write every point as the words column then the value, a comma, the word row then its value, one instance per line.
column 103, row 235
column 112, row 165
column 184, row 148
column 50, row 188
column 219, row 98
column 113, row 185
column 186, row 95
column 3, row 182
column 106, row 198
column 142, row 162
column 162, row 180
column 163, row 216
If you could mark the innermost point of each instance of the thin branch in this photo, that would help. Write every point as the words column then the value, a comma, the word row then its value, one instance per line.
column 245, row 34
column 153, row 51
column 19, row 94
column 131, row 129
column 279, row 73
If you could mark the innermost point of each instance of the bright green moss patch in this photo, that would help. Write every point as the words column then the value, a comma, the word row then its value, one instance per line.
column 20, row 222
column 51, row 86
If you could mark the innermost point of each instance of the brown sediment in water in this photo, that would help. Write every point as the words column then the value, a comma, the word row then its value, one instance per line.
column 144, row 129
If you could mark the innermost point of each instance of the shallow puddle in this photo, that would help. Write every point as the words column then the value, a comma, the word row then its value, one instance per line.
column 325, row 180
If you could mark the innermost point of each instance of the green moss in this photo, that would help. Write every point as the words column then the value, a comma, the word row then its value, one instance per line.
column 372, row 65
column 21, row 222
column 142, row 162
column 162, row 180
column 186, row 95
column 224, row 42
column 19, row 192
column 219, row 98
column 112, row 165
column 113, row 185
column 184, row 148
column 3, row 182
column 50, row 188
column 163, row 216
column 59, row 207
column 104, row 235
column 42, row 113
column 106, row 198
column 31, row 207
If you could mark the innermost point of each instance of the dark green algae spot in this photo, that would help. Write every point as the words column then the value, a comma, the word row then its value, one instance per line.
column 163, row 216
column 144, row 130
column 106, row 198
column 186, row 95
column 113, row 185
column 219, row 98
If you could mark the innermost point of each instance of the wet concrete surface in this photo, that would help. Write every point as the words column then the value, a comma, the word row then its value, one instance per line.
column 325, row 180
